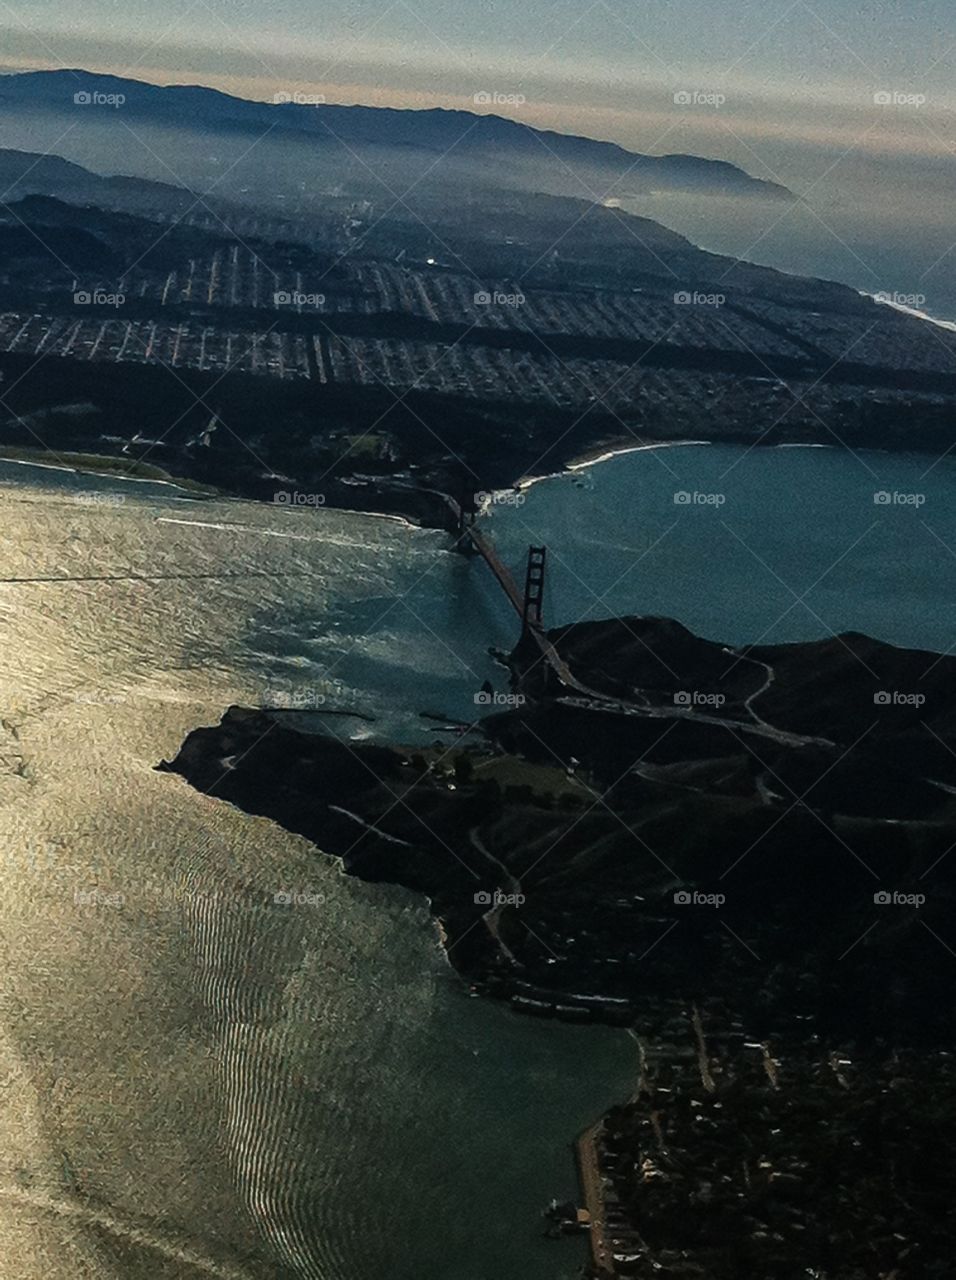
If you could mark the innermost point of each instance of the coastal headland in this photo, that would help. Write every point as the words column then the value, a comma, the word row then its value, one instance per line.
column 742, row 855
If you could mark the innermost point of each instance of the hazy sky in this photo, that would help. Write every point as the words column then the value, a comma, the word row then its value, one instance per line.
column 794, row 74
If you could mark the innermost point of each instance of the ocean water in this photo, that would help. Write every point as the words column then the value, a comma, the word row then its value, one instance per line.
column 197, row 1082
column 765, row 545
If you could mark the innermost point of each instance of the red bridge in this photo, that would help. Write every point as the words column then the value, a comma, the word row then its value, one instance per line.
column 528, row 605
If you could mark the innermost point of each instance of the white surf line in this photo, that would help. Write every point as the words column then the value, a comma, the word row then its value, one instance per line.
column 296, row 537
column 119, row 476
column 43, row 466
column 382, row 515
column 527, row 481
column 884, row 301
column 326, row 539
column 199, row 495
column 134, row 1235
column 635, row 448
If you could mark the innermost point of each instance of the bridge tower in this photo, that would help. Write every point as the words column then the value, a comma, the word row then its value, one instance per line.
column 533, row 612
column 465, row 510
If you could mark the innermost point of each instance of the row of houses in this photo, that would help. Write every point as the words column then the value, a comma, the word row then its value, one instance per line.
column 179, row 346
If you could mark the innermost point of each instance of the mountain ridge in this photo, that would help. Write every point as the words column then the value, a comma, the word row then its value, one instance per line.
column 431, row 129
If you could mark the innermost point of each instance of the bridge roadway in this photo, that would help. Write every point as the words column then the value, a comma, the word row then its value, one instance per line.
column 486, row 549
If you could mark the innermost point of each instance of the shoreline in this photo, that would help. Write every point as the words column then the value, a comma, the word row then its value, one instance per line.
column 521, row 779
column 192, row 488
column 887, row 301
column 589, row 1181
column 414, row 508
column 602, row 454
column 193, row 491
column 607, row 455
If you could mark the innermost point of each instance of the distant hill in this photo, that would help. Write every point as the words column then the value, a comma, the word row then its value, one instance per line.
column 490, row 147
column 45, row 241
column 28, row 173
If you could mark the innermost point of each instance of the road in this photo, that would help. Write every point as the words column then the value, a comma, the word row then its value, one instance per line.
column 590, row 1171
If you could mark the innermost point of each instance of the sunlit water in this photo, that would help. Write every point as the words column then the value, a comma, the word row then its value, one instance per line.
column 199, row 1082
column 195, row 1080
